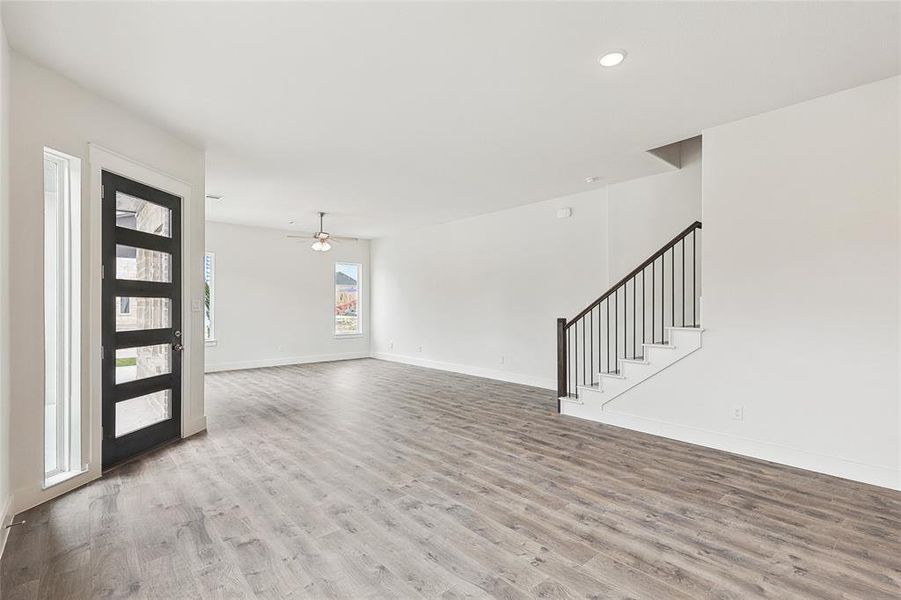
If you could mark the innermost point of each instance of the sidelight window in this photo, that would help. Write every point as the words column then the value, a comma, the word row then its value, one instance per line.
column 209, row 296
column 62, row 323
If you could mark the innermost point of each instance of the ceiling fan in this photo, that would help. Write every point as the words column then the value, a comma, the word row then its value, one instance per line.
column 322, row 240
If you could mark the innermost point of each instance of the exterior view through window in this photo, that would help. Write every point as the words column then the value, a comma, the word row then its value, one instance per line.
column 62, row 307
column 347, row 299
column 209, row 266
column 135, row 313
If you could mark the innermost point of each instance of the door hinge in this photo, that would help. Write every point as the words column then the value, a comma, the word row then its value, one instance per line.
column 102, row 191
column 102, row 271
column 101, row 352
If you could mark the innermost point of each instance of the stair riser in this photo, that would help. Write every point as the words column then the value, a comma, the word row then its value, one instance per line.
column 586, row 410
column 683, row 343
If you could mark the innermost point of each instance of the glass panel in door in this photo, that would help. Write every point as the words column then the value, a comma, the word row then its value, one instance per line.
column 137, row 413
column 143, row 215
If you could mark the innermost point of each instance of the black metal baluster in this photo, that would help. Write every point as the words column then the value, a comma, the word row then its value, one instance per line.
column 634, row 316
column 683, row 282
column 591, row 344
column 616, row 331
column 654, row 302
column 583, row 351
column 643, row 310
column 600, row 338
column 607, row 303
column 694, row 273
column 576, row 356
column 663, row 299
column 672, row 285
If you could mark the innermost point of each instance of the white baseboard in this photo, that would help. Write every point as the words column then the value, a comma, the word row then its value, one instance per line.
column 281, row 362
column 26, row 498
column 530, row 380
column 880, row 475
column 6, row 515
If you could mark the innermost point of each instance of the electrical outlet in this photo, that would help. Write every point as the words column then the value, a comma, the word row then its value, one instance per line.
column 419, row 349
column 738, row 413
column 502, row 359
column 281, row 348
column 390, row 345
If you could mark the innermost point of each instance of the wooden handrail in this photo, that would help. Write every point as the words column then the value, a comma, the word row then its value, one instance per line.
column 612, row 339
column 635, row 271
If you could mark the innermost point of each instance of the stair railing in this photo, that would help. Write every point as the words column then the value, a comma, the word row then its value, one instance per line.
column 661, row 292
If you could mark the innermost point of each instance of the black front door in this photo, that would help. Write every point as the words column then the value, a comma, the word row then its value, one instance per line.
column 142, row 338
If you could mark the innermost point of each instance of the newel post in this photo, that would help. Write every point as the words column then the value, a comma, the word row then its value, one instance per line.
column 561, row 361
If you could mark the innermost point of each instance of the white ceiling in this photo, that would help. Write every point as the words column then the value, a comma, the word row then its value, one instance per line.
column 393, row 115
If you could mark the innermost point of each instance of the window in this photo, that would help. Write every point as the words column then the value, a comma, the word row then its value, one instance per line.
column 209, row 296
column 347, row 299
column 62, row 323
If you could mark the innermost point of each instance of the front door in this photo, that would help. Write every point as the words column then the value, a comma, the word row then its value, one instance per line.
column 142, row 338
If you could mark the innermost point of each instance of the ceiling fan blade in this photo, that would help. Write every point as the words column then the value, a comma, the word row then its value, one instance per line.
column 300, row 236
column 343, row 239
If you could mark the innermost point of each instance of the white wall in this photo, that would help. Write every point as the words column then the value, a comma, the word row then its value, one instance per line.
column 801, row 293
column 5, row 486
column 482, row 295
column 473, row 291
column 800, row 263
column 275, row 299
column 50, row 110
column 647, row 213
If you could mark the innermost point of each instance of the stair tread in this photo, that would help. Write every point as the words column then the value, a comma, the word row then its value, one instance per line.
column 663, row 345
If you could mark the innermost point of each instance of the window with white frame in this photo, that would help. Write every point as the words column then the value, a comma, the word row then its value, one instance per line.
column 62, row 316
column 347, row 299
column 209, row 296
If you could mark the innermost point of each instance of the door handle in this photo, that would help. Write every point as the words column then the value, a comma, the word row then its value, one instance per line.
column 177, row 347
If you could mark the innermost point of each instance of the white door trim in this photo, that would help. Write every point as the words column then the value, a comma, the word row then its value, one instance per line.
column 103, row 159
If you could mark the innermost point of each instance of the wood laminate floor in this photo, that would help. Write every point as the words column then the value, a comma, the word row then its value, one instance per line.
column 367, row 479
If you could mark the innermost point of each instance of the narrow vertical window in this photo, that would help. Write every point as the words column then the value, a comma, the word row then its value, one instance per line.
column 209, row 296
column 62, row 322
column 347, row 299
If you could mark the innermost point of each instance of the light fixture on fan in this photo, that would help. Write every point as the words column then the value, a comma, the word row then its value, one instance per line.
column 321, row 244
column 322, row 240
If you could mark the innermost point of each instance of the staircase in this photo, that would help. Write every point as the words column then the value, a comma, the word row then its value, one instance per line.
column 646, row 322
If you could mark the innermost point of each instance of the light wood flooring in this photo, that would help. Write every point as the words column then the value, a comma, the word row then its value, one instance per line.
column 367, row 479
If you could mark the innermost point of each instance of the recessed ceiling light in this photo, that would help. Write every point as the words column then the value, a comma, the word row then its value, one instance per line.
column 611, row 59
column 290, row 222
column 593, row 179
